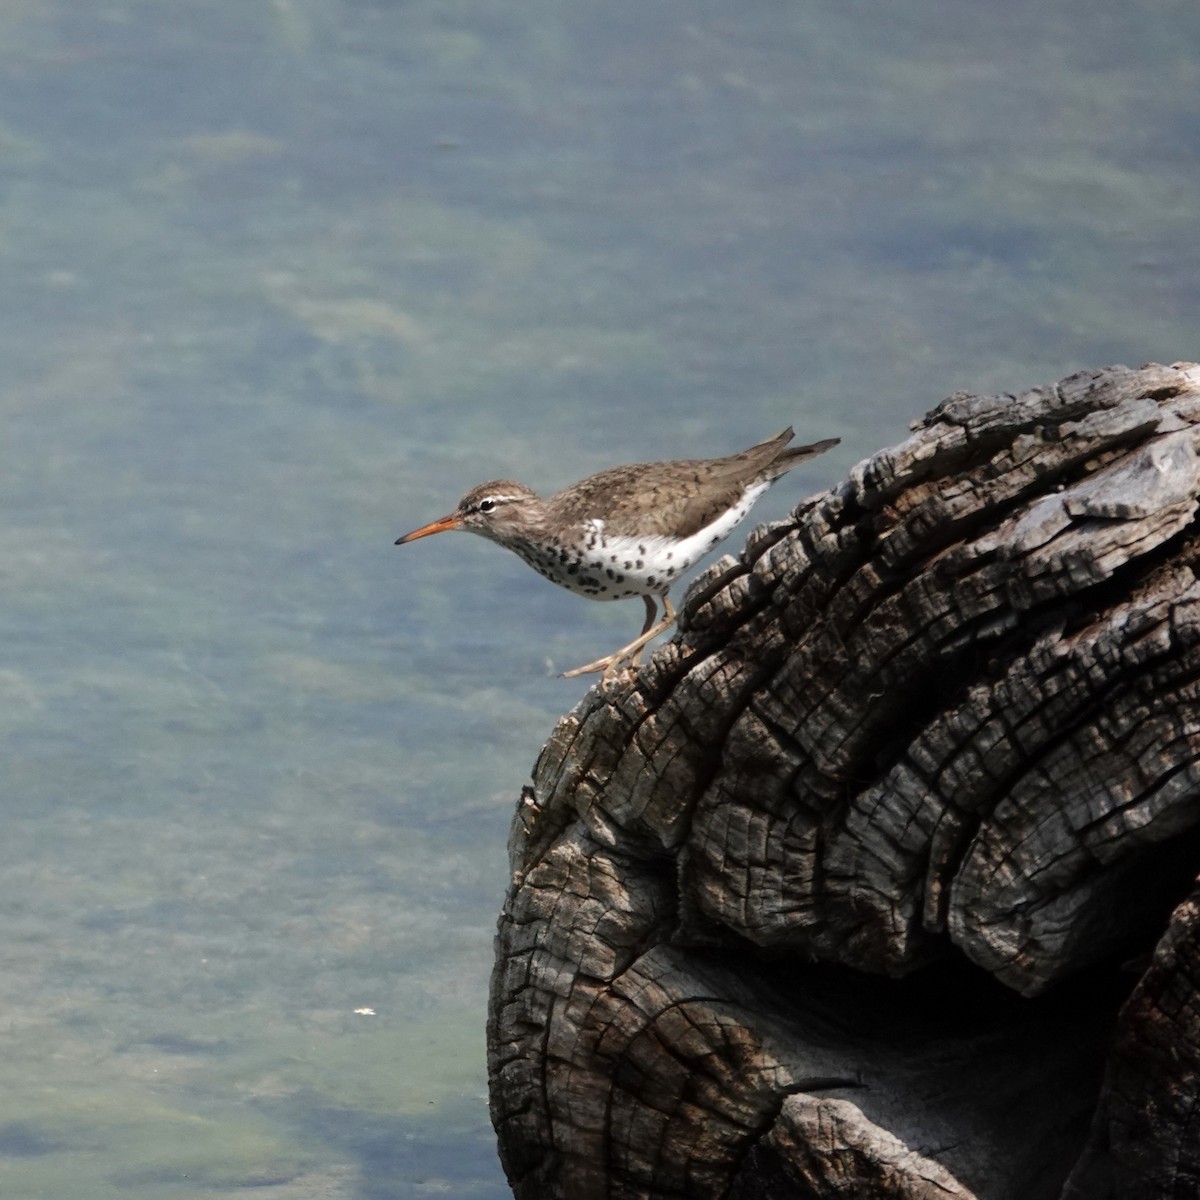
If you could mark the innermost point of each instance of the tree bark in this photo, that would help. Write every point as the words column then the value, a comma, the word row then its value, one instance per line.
column 832, row 898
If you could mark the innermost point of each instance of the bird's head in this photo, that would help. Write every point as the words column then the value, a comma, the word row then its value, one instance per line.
column 500, row 510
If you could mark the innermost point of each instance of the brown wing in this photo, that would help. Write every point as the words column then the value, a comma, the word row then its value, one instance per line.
column 679, row 497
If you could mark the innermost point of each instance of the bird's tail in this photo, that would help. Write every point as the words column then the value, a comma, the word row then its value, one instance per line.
column 788, row 457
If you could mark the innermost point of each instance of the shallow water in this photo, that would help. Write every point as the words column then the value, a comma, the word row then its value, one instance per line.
column 281, row 281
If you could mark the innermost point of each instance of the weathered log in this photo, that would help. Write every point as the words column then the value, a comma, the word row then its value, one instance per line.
column 831, row 899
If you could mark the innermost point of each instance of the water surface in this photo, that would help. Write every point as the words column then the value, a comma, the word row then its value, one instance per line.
column 280, row 281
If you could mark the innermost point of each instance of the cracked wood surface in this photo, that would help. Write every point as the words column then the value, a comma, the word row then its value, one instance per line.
column 829, row 899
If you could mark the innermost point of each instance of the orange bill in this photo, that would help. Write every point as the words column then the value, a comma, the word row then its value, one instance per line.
column 453, row 521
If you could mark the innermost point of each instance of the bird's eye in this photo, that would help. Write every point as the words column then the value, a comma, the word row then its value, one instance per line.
column 486, row 506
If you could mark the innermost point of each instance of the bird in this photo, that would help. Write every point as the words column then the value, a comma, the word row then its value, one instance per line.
column 627, row 531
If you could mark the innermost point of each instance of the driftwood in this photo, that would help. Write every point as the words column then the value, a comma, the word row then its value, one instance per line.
column 863, row 887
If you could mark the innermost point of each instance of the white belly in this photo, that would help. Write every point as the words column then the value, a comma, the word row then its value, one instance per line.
column 611, row 567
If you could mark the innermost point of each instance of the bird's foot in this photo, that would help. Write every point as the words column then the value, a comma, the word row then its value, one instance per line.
column 611, row 665
column 627, row 658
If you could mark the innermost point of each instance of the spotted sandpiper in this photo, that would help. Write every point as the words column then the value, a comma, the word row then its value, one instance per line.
column 628, row 531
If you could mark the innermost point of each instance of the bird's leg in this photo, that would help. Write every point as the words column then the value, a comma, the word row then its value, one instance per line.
column 651, row 613
column 631, row 652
